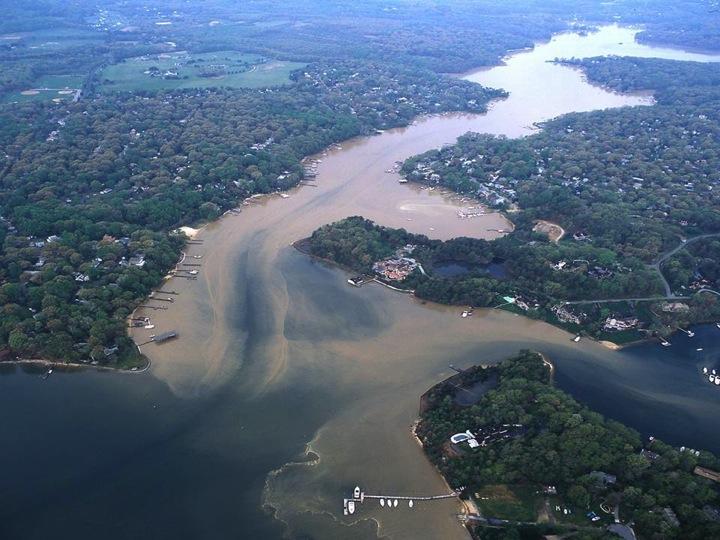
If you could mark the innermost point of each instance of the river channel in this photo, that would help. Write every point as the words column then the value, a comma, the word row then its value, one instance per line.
column 287, row 387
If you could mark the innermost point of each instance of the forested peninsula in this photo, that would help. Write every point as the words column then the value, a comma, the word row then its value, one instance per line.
column 533, row 461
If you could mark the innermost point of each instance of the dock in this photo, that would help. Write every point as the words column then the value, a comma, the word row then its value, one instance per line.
column 165, row 336
column 390, row 501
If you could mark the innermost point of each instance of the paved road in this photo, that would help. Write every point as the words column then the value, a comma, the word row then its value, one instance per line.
column 657, row 267
column 665, row 256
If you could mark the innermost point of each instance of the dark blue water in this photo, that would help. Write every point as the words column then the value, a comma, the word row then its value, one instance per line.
column 657, row 390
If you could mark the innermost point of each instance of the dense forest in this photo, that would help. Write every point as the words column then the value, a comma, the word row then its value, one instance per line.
column 588, row 460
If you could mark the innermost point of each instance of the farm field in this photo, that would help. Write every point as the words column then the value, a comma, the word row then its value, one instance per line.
column 206, row 70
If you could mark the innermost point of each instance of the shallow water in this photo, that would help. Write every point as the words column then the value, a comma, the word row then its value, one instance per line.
column 277, row 355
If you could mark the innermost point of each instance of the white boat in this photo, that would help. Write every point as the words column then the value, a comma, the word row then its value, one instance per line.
column 410, row 504
column 699, row 349
column 717, row 381
column 149, row 326
column 717, row 324
column 665, row 343
column 705, row 370
column 464, row 314
column 714, row 372
column 395, row 503
column 711, row 378
column 356, row 492
column 382, row 502
column 690, row 334
column 345, row 507
column 576, row 339
column 351, row 507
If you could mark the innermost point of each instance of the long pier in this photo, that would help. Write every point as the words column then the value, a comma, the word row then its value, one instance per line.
column 390, row 501
column 407, row 498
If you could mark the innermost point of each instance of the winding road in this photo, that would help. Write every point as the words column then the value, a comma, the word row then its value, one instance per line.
column 656, row 265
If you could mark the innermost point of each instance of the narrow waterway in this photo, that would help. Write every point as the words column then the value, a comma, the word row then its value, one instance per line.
column 287, row 387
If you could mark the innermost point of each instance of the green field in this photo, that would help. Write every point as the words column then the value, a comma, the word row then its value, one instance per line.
column 207, row 70
column 57, row 87
column 514, row 503
column 52, row 39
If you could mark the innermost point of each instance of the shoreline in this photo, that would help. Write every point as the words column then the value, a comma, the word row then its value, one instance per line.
column 75, row 366
column 301, row 246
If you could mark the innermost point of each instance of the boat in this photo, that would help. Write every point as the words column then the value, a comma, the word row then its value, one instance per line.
column 690, row 333
column 665, row 343
column 714, row 372
column 345, row 507
column 149, row 326
column 351, row 507
column 576, row 338
column 717, row 324
column 382, row 502
column 717, row 381
column 410, row 504
column 356, row 492
column 464, row 314
column 711, row 378
column 699, row 349
column 705, row 370
column 395, row 503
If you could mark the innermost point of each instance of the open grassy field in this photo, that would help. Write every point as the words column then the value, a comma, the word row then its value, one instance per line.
column 515, row 503
column 55, row 87
column 52, row 39
column 185, row 70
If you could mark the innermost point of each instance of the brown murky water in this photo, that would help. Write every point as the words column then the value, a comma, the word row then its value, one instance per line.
column 268, row 321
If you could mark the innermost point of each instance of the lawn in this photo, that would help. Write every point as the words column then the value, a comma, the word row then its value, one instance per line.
column 514, row 503
column 206, row 70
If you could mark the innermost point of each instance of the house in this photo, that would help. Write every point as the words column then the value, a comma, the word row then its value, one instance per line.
column 603, row 477
column 670, row 517
column 674, row 307
column 137, row 260
column 650, row 455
